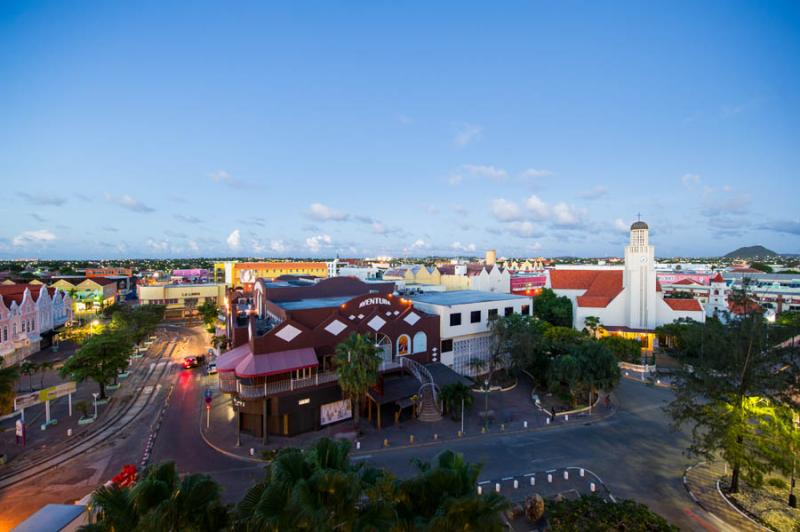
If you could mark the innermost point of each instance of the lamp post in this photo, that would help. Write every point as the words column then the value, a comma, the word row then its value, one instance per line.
column 92, row 325
column 792, row 496
column 486, row 405
column 95, row 395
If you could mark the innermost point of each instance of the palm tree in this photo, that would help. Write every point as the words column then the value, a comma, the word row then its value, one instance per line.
column 442, row 497
column 453, row 394
column 28, row 368
column 161, row 500
column 357, row 364
column 8, row 386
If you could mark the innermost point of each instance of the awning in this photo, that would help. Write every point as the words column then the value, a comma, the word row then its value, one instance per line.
column 267, row 364
column 228, row 361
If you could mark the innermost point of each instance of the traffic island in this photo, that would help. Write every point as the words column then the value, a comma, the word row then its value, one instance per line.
column 767, row 504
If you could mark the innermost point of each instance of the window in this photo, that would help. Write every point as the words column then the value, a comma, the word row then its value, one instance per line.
column 455, row 319
column 447, row 346
column 475, row 316
column 509, row 311
column 526, row 310
column 420, row 342
column 5, row 334
column 492, row 313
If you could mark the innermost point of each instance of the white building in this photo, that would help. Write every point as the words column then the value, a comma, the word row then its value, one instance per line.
column 628, row 299
column 26, row 313
column 464, row 322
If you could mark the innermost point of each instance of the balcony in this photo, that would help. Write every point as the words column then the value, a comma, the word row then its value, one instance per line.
column 259, row 391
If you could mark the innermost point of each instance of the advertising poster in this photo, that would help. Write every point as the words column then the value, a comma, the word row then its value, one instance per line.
column 336, row 411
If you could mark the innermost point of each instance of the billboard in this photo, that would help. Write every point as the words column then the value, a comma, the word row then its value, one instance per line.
column 336, row 411
column 48, row 394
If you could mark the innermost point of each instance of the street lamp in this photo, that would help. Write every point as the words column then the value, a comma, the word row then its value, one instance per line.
column 792, row 496
column 95, row 395
column 92, row 325
column 486, row 405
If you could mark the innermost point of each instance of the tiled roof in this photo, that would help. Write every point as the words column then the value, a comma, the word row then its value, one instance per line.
column 691, row 305
column 718, row 278
column 601, row 286
column 739, row 309
column 15, row 292
column 687, row 281
column 658, row 285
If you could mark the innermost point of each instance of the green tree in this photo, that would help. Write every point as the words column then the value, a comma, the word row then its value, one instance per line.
column 557, row 310
column 8, row 386
column 209, row 312
column 599, row 367
column 761, row 266
column 565, row 371
column 452, row 394
column 442, row 496
column 318, row 489
column 160, row 501
column 43, row 368
column 594, row 513
column 591, row 324
column 28, row 369
column 625, row 349
column 719, row 394
column 357, row 363
column 101, row 358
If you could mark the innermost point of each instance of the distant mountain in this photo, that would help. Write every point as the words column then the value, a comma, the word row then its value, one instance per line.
column 751, row 252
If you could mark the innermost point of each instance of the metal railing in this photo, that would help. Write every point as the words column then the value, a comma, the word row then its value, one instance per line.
column 424, row 377
column 258, row 391
column 227, row 381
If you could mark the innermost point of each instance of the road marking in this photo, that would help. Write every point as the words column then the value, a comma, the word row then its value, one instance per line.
column 147, row 389
column 361, row 457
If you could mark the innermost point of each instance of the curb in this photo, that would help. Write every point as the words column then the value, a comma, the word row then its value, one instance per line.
column 223, row 451
column 756, row 523
column 688, row 489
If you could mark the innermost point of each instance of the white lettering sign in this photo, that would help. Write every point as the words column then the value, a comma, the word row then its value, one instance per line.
column 374, row 301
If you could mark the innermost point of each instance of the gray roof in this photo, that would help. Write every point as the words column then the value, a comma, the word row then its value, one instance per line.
column 314, row 302
column 51, row 517
column 463, row 297
column 639, row 225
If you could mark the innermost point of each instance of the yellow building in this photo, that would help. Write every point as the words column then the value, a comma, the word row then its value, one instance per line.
column 246, row 273
column 181, row 299
column 414, row 275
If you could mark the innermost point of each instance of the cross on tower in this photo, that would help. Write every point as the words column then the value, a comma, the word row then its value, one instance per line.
column 638, row 216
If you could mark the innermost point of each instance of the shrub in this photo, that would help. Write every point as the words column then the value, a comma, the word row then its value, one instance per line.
column 777, row 482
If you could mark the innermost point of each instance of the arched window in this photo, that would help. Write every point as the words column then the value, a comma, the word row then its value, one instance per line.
column 403, row 345
column 420, row 342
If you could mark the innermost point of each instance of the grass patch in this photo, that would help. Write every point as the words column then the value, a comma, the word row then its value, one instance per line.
column 768, row 503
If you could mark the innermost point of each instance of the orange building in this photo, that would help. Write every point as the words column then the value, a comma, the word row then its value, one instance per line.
column 246, row 273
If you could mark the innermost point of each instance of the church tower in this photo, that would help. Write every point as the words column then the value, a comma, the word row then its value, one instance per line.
column 718, row 297
column 639, row 279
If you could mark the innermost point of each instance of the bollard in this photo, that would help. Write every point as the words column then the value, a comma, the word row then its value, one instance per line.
column 549, row 478
column 386, row 442
column 524, row 424
column 411, row 438
column 69, row 432
column 533, row 481
column 566, row 418
column 547, row 421
column 582, row 472
column 497, row 487
column 358, row 445
column 252, row 451
column 502, row 427
column 516, row 483
column 460, row 433
column 435, row 436
column 483, row 430
column 591, row 486
column 480, row 490
column 566, row 475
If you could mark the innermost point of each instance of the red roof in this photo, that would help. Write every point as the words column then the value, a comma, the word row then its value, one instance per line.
column 687, row 281
column 691, row 305
column 658, row 285
column 718, row 278
column 267, row 364
column 746, row 270
column 15, row 292
column 739, row 309
column 601, row 286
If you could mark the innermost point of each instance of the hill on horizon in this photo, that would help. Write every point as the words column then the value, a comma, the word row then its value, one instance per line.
column 751, row 252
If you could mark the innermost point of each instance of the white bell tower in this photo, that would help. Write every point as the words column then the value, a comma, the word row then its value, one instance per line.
column 639, row 279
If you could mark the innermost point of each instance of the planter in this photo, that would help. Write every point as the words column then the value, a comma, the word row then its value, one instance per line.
column 85, row 420
column 2, row 459
column 110, row 387
column 102, row 401
column 123, row 375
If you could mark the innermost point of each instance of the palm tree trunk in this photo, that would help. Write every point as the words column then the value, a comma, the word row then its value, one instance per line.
column 735, row 480
column 102, row 390
column 356, row 412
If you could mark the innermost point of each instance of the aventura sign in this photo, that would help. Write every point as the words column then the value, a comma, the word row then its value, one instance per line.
column 48, row 394
column 370, row 301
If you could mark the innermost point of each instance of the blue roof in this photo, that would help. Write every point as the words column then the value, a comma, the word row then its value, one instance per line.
column 315, row 302
column 51, row 517
column 462, row 297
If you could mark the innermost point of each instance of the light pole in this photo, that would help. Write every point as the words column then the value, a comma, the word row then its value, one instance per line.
column 792, row 496
column 95, row 395
column 486, row 405
column 462, row 415
column 92, row 325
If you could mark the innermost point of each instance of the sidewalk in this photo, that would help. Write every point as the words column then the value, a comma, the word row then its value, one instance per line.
column 514, row 412
column 701, row 483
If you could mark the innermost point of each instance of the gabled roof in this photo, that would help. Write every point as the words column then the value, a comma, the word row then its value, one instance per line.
column 601, row 286
column 688, row 281
column 718, row 278
column 16, row 292
column 680, row 304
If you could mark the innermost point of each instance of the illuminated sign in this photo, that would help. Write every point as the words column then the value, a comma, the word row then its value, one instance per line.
column 304, row 401
column 374, row 301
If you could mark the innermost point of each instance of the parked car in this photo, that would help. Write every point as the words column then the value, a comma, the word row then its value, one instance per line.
column 190, row 362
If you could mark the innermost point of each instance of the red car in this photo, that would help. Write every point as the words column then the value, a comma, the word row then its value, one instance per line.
column 190, row 362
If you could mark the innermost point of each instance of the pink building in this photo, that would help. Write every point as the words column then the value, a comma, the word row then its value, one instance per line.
column 29, row 313
column 676, row 277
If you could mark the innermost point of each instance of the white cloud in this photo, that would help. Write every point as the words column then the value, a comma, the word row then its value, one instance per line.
column 277, row 246
column 533, row 173
column 316, row 243
column 597, row 192
column 726, row 201
column 318, row 211
column 40, row 236
column 488, row 171
column 565, row 214
column 129, row 202
column 379, row 228
column 419, row 244
column 160, row 246
column 689, row 180
column 523, row 229
column 225, row 178
column 466, row 134
column 621, row 226
column 234, row 240
column 39, row 198
column 505, row 211
column 257, row 246
column 458, row 246
column 539, row 208
column 536, row 246
column 455, row 179
column 193, row 246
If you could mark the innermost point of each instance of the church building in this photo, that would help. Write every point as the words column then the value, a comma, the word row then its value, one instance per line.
column 628, row 300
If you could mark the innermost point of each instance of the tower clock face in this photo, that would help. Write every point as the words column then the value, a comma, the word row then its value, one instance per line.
column 643, row 259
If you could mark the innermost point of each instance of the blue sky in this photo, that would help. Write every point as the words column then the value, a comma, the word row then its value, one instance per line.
column 363, row 128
